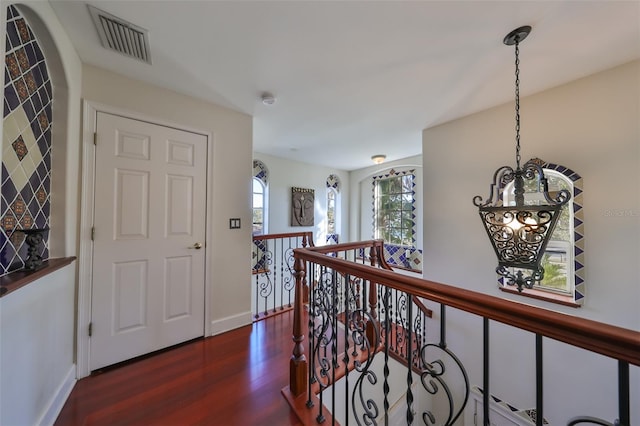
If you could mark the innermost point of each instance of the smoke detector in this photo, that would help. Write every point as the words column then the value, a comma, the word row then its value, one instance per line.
column 268, row 98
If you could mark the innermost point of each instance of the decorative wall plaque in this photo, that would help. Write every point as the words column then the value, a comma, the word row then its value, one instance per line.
column 302, row 206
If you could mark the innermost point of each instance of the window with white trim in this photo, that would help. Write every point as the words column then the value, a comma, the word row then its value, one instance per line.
column 394, row 208
column 258, row 207
column 260, row 199
column 331, row 211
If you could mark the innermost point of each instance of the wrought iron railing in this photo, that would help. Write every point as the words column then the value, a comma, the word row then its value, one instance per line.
column 359, row 319
column 272, row 271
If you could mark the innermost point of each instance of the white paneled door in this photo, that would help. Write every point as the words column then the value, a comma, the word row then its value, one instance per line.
column 149, row 248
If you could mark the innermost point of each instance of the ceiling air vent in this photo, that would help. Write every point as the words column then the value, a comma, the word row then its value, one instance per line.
column 121, row 36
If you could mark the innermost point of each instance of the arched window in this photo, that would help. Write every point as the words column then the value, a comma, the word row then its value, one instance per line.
column 563, row 260
column 333, row 209
column 260, row 200
column 26, row 143
column 258, row 207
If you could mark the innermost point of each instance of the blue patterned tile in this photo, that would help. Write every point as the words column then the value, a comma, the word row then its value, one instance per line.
column 44, row 97
column 37, row 104
column 41, row 220
column 31, row 54
column 11, row 97
column 46, row 209
column 12, row 35
column 28, row 109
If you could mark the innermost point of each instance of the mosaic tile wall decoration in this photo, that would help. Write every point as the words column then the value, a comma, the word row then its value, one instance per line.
column 333, row 181
column 528, row 415
column 578, row 227
column 404, row 257
column 259, row 260
column 26, row 143
column 260, row 171
column 332, row 239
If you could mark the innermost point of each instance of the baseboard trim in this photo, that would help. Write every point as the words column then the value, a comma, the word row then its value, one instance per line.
column 230, row 323
column 58, row 399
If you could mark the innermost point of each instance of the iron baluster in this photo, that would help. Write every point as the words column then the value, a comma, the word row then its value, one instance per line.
column 334, row 336
column 346, row 351
column 312, row 335
column 387, row 328
column 443, row 326
column 539, row 396
column 256, row 271
column 288, row 262
column 409, row 365
column 624, row 410
column 485, row 371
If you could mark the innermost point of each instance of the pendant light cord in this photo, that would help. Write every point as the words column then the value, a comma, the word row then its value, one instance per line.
column 517, row 103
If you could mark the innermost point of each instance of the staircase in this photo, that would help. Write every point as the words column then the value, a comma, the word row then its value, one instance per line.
column 364, row 351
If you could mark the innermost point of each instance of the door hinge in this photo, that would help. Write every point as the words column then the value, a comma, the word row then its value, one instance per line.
column 95, row 138
column 90, row 329
column 93, row 233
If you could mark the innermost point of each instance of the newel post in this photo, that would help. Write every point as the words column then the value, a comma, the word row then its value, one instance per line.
column 373, row 299
column 298, row 362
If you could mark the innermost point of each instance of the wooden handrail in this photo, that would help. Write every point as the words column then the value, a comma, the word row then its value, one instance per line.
column 307, row 236
column 346, row 246
column 605, row 339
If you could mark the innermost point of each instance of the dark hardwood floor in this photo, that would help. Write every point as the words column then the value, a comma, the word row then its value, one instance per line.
column 231, row 379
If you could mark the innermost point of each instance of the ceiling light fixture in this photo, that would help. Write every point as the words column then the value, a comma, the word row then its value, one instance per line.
column 268, row 98
column 379, row 158
column 519, row 232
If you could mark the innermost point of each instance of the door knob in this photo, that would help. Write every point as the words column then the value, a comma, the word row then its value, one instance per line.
column 196, row 246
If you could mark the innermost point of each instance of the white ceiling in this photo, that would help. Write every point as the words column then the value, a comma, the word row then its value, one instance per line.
column 357, row 78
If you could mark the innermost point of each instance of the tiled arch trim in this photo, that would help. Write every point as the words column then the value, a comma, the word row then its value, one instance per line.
column 333, row 182
column 578, row 227
column 26, row 143
column 260, row 171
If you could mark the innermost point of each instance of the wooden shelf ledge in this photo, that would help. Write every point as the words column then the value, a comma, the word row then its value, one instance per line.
column 18, row 279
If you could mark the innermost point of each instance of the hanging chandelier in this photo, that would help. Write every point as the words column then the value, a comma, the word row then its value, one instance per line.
column 519, row 232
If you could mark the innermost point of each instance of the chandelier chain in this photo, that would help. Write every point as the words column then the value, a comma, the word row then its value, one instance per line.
column 517, row 103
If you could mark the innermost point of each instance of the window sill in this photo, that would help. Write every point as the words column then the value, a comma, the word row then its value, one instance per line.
column 404, row 268
column 18, row 279
column 543, row 295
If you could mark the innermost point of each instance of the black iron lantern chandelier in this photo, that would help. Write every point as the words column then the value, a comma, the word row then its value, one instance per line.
column 519, row 232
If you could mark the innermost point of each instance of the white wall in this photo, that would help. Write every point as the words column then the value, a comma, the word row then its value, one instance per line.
column 591, row 126
column 228, row 191
column 361, row 200
column 37, row 321
column 37, row 349
column 285, row 174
